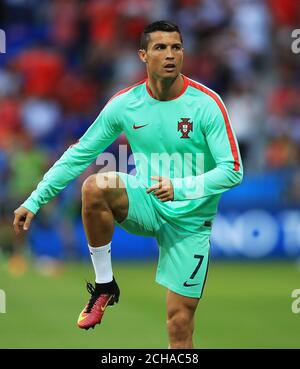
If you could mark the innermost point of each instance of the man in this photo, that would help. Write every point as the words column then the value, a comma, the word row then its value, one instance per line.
column 186, row 155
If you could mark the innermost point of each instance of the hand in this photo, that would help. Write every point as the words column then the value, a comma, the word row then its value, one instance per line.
column 23, row 218
column 163, row 190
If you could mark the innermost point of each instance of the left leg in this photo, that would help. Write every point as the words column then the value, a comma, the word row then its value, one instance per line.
column 182, row 269
column 180, row 320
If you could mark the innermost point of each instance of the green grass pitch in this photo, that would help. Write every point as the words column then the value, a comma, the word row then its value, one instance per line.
column 245, row 305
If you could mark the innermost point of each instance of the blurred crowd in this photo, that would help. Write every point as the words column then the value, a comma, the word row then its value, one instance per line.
column 65, row 58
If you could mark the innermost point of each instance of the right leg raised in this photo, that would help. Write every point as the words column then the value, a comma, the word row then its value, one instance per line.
column 101, row 205
column 104, row 199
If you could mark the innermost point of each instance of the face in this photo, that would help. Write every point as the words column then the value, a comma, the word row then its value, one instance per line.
column 164, row 55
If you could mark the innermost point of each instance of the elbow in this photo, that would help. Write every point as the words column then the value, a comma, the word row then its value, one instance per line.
column 233, row 176
column 237, row 177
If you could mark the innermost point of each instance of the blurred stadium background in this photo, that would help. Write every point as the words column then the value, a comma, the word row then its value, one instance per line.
column 64, row 59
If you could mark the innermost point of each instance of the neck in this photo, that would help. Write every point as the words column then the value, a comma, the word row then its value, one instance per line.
column 165, row 88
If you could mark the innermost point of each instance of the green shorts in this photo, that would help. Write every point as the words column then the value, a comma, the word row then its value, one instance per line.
column 183, row 255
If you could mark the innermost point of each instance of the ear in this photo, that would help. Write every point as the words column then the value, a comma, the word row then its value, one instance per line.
column 142, row 55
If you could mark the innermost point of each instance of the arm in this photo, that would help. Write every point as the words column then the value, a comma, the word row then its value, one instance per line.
column 72, row 163
column 223, row 146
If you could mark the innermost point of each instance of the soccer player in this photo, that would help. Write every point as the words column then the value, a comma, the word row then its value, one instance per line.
column 186, row 156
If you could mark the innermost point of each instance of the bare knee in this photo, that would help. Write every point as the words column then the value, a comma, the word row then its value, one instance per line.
column 93, row 196
column 180, row 328
column 104, row 192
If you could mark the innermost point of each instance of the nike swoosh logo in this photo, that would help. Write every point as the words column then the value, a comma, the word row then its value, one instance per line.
column 81, row 317
column 190, row 284
column 103, row 307
column 137, row 127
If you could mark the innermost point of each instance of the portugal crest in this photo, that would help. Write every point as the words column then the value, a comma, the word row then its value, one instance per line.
column 185, row 126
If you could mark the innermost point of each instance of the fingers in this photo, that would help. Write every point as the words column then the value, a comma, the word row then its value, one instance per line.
column 156, row 185
column 153, row 187
column 163, row 190
column 165, row 199
column 163, row 194
column 16, row 224
column 22, row 220
column 27, row 221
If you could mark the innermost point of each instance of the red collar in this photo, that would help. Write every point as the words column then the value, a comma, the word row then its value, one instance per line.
column 184, row 87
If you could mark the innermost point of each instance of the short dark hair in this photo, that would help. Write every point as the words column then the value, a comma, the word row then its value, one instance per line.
column 162, row 25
